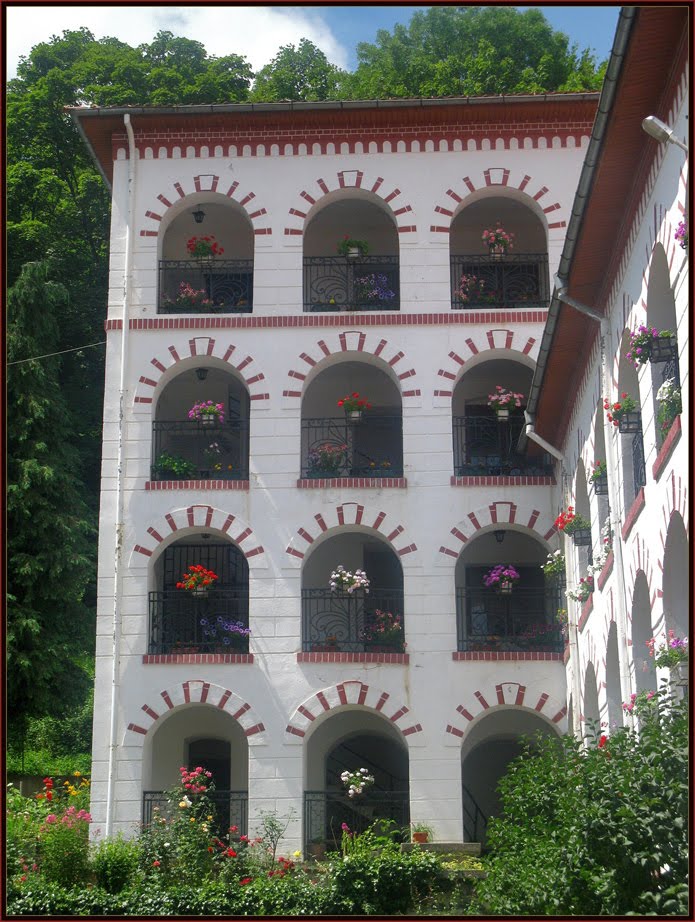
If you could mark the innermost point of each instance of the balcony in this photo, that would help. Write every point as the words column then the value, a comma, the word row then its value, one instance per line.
column 334, row 447
column 516, row 280
column 230, row 808
column 340, row 283
column 326, row 811
column 521, row 622
column 183, row 622
column 200, row 451
column 218, row 286
column 485, row 446
column 335, row 621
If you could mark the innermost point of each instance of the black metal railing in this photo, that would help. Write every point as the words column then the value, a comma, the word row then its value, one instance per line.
column 336, row 447
column 488, row 446
column 182, row 621
column 474, row 819
column 671, row 369
column 524, row 621
column 216, row 451
column 639, row 467
column 340, row 283
column 326, row 811
column 230, row 808
column 514, row 280
column 214, row 286
column 337, row 620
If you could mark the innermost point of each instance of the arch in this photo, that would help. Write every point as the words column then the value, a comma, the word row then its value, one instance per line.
column 348, row 514
column 182, row 521
column 206, row 187
column 372, row 188
column 590, row 709
column 522, row 516
column 505, row 695
column 642, row 631
column 613, row 694
column 675, row 581
column 350, row 344
column 195, row 691
column 348, row 694
column 481, row 346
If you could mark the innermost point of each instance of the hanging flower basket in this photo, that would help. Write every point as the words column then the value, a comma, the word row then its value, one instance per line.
column 501, row 578
column 663, row 349
column 630, row 422
column 582, row 537
column 626, row 409
column 502, row 401
column 601, row 485
column 498, row 241
column 353, row 405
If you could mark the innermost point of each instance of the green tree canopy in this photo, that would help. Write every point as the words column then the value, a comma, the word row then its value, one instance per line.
column 302, row 73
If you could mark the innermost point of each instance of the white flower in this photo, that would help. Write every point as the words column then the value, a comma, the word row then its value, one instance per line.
column 666, row 390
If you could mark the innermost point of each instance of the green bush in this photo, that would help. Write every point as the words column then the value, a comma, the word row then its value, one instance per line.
column 64, row 849
column 595, row 829
column 43, row 762
column 115, row 863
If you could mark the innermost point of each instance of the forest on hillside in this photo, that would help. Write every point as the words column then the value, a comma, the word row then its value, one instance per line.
column 57, row 226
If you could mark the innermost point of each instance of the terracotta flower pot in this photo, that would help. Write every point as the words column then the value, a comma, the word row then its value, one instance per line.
column 420, row 837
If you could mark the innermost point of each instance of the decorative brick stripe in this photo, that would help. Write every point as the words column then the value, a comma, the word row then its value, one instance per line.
column 136, row 729
column 492, row 656
column 606, row 571
column 541, row 702
column 501, row 480
column 633, row 514
column 154, row 485
column 587, row 608
column 416, row 728
column 669, row 444
column 355, row 483
column 294, row 730
column 454, row 730
column 321, row 698
column 399, row 659
column 150, row 713
column 257, row 728
column 382, row 701
column 464, row 712
column 167, row 699
column 559, row 716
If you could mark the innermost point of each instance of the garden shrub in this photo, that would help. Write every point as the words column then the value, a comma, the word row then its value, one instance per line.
column 595, row 829
column 63, row 855
column 115, row 863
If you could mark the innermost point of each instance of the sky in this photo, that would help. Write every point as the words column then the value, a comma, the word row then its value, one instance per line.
column 257, row 31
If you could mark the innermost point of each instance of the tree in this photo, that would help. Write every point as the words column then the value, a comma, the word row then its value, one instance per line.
column 471, row 51
column 49, row 558
column 302, row 73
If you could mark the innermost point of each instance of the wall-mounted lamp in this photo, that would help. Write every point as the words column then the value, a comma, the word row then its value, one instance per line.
column 201, row 373
column 499, row 535
column 656, row 129
column 199, row 216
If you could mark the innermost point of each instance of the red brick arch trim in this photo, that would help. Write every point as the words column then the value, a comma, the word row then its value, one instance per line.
column 351, row 179
column 356, row 343
column 515, row 341
column 205, row 182
column 203, row 346
column 502, row 178
column 197, row 691
column 349, row 514
column 349, row 693
column 200, row 516
column 499, row 512
column 503, row 695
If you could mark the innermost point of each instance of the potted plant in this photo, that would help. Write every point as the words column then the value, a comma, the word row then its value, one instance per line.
column 173, row 467
column 473, row 290
column 354, row 405
column 327, row 460
column 343, row 580
column 357, row 782
column 583, row 590
column 224, row 633
column 624, row 414
column 670, row 404
column 204, row 248
column 599, row 478
column 373, row 287
column 207, row 412
column 501, row 578
column 384, row 632
column 575, row 525
column 188, row 299
column 421, row 833
column 652, row 345
column 497, row 240
column 554, row 566
column 681, row 235
column 503, row 400
column 674, row 656
column 351, row 247
column 197, row 580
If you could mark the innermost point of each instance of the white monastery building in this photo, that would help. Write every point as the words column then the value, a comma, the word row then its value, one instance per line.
column 268, row 677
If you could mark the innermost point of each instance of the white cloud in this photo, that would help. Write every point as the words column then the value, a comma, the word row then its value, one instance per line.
column 254, row 32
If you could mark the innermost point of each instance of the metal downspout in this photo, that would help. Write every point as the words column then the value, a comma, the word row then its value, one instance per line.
column 118, row 555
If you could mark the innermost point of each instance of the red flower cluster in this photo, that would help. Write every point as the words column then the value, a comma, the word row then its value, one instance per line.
column 615, row 410
column 204, row 246
column 195, row 781
column 196, row 577
column 354, row 402
column 47, row 792
column 285, row 866
column 563, row 520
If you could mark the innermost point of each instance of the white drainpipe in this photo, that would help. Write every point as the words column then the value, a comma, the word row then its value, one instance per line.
column 118, row 555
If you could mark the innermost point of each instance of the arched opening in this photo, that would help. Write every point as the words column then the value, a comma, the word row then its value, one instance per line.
column 351, row 254
column 483, row 278
column 663, row 362
column 613, row 695
column 201, row 425
column 488, row 748
column 499, row 618
column 598, row 476
column 352, row 739
column 675, row 579
column 642, row 631
column 629, row 425
column 207, row 268
column 485, row 441
column 202, row 619
column 198, row 735
column 353, row 621
column 591, row 714
column 339, row 443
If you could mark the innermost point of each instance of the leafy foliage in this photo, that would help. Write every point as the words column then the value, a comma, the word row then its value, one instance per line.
column 301, row 73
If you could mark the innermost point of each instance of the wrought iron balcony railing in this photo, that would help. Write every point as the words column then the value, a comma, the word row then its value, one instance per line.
column 336, row 447
column 230, row 808
column 200, row 451
column 337, row 620
column 212, row 286
column 514, row 280
column 326, row 811
column 488, row 446
column 524, row 621
column 340, row 283
column 182, row 621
